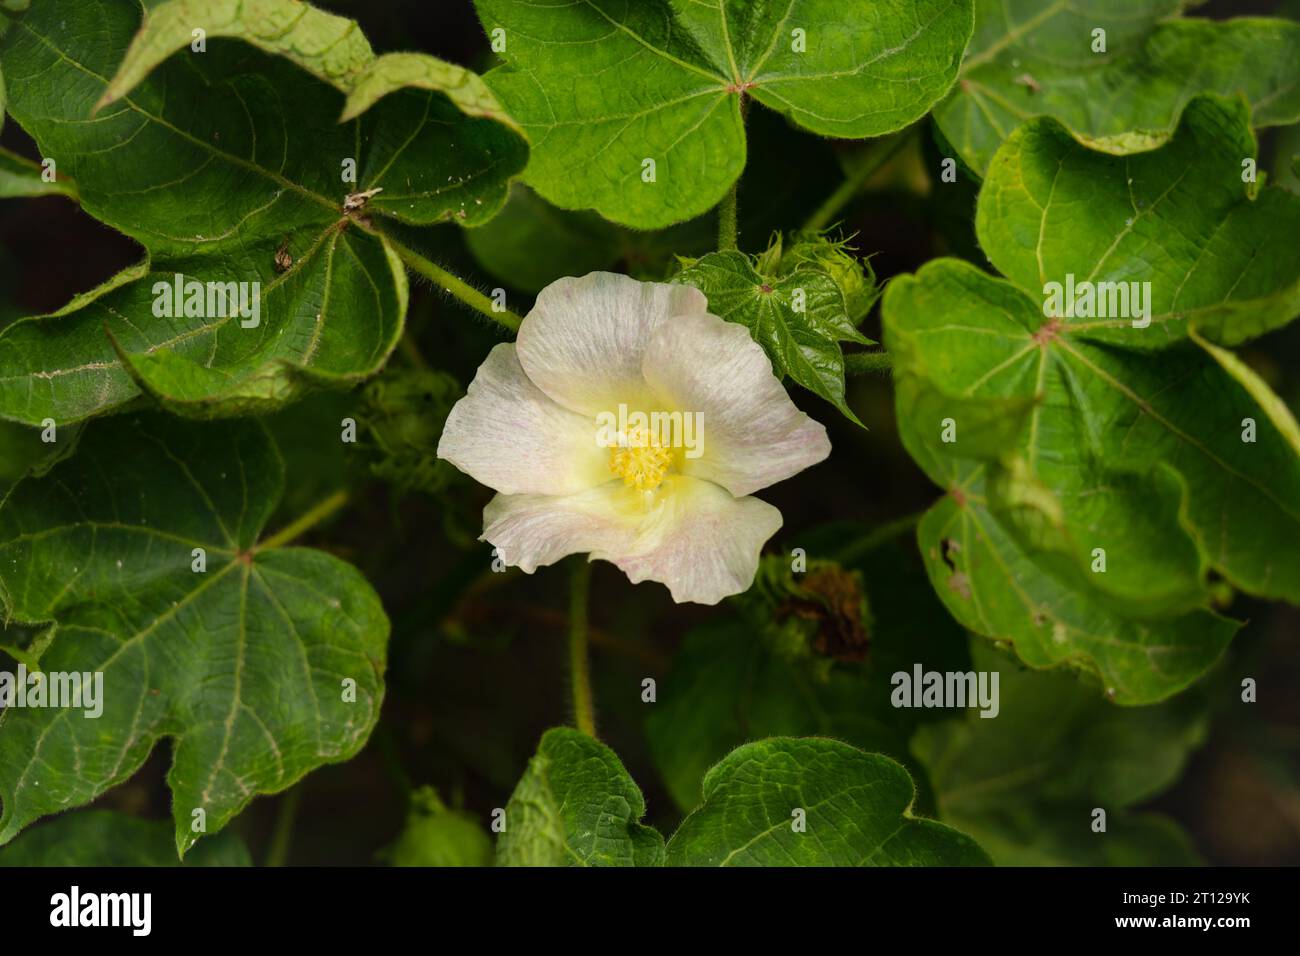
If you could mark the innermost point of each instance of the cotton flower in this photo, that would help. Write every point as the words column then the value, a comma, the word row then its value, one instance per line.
column 628, row 423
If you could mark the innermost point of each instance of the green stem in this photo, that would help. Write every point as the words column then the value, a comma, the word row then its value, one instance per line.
column 876, row 155
column 584, row 709
column 727, row 230
column 315, row 516
column 285, row 815
column 454, row 285
column 859, row 363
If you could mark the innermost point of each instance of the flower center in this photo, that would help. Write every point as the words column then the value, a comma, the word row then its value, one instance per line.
column 640, row 460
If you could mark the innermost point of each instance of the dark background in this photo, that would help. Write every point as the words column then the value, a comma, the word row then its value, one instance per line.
column 474, row 679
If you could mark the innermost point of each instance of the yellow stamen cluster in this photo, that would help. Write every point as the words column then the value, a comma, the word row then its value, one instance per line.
column 640, row 461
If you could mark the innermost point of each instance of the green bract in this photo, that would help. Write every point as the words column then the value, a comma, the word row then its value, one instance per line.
column 798, row 310
column 634, row 109
column 1032, row 58
column 1085, row 527
column 230, row 167
column 142, row 550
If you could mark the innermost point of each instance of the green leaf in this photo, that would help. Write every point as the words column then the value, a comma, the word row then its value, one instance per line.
column 1025, row 784
column 1216, row 252
column 436, row 835
column 1008, row 576
column 601, row 86
column 247, row 667
column 799, row 316
column 532, row 242
column 576, row 806
column 1134, row 452
column 330, row 47
column 397, row 71
column 461, row 112
column 798, row 664
column 21, row 178
column 92, row 838
column 227, row 167
column 1278, row 414
column 856, row 812
column 1032, row 58
column 20, row 450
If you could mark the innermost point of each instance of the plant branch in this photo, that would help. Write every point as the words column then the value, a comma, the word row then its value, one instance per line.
column 727, row 230
column 860, row 363
column 322, row 510
column 728, row 227
column 453, row 285
column 584, row 709
column 876, row 155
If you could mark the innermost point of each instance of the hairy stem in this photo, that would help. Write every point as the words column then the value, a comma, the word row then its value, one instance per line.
column 727, row 219
column 876, row 155
column 322, row 510
column 454, row 285
column 584, row 708
column 859, row 363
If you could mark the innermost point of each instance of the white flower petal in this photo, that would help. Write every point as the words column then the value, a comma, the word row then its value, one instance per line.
column 530, row 531
column 507, row 434
column 583, row 341
column 700, row 541
column 753, row 435
column 689, row 534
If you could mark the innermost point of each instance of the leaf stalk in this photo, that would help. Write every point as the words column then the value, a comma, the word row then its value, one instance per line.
column 315, row 516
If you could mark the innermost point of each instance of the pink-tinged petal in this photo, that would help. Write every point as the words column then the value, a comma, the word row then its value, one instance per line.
column 700, row 541
column 752, row 435
column 507, row 434
column 689, row 534
column 583, row 341
column 531, row 531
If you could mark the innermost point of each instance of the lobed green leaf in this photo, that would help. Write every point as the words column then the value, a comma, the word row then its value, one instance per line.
column 259, row 666
column 577, row 806
column 1091, row 533
column 855, row 812
column 602, row 86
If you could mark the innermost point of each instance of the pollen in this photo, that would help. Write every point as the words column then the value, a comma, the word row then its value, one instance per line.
column 640, row 460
